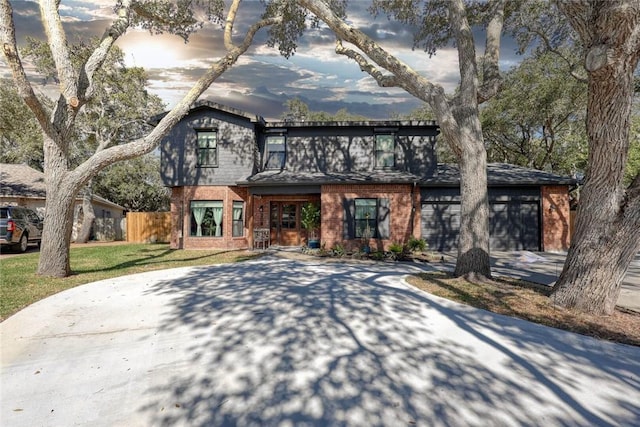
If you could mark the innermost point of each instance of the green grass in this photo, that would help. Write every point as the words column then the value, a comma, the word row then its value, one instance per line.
column 20, row 286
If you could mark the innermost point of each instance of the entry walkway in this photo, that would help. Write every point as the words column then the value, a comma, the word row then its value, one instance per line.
column 277, row 341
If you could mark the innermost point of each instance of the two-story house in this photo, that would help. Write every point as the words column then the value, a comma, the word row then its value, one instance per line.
column 236, row 179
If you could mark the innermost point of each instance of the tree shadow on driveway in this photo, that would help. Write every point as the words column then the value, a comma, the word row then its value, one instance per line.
column 282, row 342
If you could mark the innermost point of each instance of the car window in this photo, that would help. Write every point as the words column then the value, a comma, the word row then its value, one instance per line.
column 4, row 213
column 34, row 216
column 16, row 213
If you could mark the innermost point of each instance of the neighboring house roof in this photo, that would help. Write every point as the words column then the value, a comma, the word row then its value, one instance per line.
column 500, row 174
column 19, row 180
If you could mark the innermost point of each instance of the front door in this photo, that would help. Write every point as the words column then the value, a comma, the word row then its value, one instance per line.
column 285, row 223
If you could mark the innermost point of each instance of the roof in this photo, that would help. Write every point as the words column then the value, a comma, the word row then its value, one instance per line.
column 204, row 104
column 363, row 123
column 447, row 175
column 275, row 177
column 20, row 180
column 500, row 174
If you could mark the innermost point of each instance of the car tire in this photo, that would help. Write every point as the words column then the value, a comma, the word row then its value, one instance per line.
column 23, row 244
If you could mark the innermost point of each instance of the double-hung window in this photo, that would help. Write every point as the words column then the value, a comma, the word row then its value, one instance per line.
column 207, row 147
column 366, row 218
column 275, row 152
column 206, row 218
column 385, row 150
column 238, row 219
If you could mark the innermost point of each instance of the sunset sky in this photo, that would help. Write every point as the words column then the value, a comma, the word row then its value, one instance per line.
column 262, row 80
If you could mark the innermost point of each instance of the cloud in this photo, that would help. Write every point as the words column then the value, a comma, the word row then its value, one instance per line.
column 262, row 80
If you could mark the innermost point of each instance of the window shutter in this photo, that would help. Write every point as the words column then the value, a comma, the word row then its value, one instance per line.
column 384, row 212
column 348, row 219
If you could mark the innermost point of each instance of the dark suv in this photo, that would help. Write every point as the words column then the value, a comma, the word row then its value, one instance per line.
column 18, row 227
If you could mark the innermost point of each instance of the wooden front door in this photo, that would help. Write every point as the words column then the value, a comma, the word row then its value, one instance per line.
column 285, row 223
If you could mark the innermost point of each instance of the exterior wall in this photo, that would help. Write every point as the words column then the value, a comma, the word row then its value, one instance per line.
column 181, row 217
column 261, row 218
column 352, row 149
column 556, row 234
column 236, row 150
column 404, row 215
column 107, row 226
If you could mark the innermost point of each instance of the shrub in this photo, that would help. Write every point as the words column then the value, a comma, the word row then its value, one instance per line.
column 416, row 245
column 338, row 250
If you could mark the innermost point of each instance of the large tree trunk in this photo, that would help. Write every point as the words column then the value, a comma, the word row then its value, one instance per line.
column 88, row 215
column 473, row 246
column 58, row 224
column 607, row 235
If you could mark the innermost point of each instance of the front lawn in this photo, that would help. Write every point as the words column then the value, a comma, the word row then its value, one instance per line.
column 20, row 286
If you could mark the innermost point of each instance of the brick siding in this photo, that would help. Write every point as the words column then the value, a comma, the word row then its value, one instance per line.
column 402, row 208
column 555, row 218
column 181, row 215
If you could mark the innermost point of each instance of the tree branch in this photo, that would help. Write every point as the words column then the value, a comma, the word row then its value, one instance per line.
column 99, row 55
column 578, row 12
column 10, row 50
column 228, row 26
column 491, row 71
column 468, row 93
column 144, row 145
column 382, row 79
column 60, row 52
column 572, row 66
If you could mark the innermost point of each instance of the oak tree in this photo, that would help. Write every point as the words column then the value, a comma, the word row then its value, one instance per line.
column 458, row 115
column 77, row 88
column 607, row 230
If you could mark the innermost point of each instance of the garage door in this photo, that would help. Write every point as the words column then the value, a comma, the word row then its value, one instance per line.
column 514, row 222
column 514, row 226
column 441, row 225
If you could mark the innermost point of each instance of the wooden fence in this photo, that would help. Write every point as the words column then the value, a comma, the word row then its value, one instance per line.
column 148, row 227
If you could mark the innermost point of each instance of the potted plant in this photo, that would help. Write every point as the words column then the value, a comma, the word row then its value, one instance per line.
column 310, row 220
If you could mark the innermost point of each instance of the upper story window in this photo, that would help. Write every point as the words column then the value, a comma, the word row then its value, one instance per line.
column 207, row 147
column 275, row 152
column 385, row 150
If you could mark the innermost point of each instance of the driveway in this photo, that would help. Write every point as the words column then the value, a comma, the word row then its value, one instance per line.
column 284, row 342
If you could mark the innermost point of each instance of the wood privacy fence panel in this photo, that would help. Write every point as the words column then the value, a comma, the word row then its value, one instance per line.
column 148, row 227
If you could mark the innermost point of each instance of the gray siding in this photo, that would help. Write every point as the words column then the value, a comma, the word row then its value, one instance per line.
column 352, row 149
column 236, row 150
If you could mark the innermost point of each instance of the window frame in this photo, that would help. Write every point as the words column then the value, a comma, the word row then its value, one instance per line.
column 380, row 154
column 237, row 223
column 267, row 152
column 372, row 220
column 210, row 219
column 200, row 148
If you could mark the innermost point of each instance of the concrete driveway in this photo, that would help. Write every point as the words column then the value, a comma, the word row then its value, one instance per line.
column 283, row 342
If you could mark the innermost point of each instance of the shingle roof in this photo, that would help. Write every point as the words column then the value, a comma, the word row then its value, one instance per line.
column 273, row 177
column 500, row 174
column 448, row 175
column 203, row 103
column 20, row 180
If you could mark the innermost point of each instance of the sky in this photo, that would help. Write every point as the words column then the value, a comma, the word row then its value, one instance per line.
column 262, row 80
